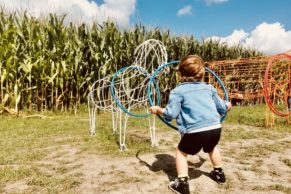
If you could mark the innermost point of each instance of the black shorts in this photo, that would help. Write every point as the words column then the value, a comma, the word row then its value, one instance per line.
column 191, row 143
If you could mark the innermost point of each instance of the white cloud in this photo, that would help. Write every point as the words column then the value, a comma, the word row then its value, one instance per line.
column 235, row 38
column 76, row 10
column 209, row 2
column 270, row 38
column 267, row 38
column 187, row 10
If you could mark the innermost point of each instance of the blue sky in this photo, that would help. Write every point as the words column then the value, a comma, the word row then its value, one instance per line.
column 264, row 25
column 219, row 19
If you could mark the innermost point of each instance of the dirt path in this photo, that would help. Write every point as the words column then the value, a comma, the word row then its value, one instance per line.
column 251, row 166
column 248, row 166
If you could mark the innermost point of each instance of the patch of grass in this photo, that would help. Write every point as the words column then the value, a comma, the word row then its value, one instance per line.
column 273, row 171
column 248, row 115
column 253, row 120
column 54, row 184
column 122, row 179
column 63, row 162
column 35, row 178
column 254, row 115
column 10, row 173
column 260, row 150
column 240, row 176
column 275, row 187
column 234, row 134
column 286, row 161
column 256, row 166
column 231, row 134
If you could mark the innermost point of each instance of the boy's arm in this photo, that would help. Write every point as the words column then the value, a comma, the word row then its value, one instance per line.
column 172, row 109
column 229, row 105
column 156, row 110
column 222, row 106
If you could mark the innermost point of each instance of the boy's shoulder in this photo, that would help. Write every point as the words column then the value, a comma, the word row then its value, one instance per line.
column 177, row 89
column 184, row 87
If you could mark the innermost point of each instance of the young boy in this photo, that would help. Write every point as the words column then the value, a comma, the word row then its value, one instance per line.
column 197, row 109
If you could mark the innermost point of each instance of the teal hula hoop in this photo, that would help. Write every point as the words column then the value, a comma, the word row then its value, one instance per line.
column 152, row 78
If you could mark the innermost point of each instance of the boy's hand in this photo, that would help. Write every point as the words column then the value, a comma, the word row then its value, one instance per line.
column 156, row 110
column 229, row 106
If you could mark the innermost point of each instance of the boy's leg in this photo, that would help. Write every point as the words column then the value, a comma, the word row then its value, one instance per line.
column 217, row 173
column 181, row 185
column 181, row 163
column 185, row 147
column 215, row 157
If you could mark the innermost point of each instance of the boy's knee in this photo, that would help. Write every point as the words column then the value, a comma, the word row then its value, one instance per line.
column 181, row 152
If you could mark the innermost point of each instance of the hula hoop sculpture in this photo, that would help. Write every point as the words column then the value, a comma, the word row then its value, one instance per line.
column 277, row 85
column 127, row 89
column 149, row 53
column 100, row 98
column 124, row 103
column 129, row 86
column 161, row 68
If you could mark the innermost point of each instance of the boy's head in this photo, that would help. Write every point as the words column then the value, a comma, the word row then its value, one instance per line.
column 191, row 69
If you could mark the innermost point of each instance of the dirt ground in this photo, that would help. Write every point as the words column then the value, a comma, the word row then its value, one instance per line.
column 254, row 172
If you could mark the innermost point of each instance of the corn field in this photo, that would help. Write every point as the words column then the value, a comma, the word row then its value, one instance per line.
column 48, row 65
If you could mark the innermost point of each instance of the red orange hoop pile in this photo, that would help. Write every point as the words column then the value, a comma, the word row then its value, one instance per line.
column 252, row 80
column 277, row 84
column 243, row 78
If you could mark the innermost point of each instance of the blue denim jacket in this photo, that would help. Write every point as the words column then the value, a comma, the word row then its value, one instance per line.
column 195, row 105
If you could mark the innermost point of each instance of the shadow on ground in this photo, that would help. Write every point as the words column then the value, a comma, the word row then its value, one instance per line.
column 167, row 164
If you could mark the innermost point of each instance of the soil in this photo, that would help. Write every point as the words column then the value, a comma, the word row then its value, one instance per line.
column 151, row 173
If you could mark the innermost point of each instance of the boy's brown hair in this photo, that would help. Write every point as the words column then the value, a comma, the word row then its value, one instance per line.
column 192, row 69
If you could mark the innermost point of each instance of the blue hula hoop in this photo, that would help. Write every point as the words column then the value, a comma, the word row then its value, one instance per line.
column 176, row 62
column 119, row 104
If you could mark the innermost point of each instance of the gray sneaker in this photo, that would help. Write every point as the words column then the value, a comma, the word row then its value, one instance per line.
column 218, row 176
column 179, row 186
